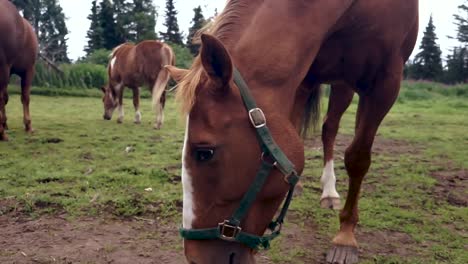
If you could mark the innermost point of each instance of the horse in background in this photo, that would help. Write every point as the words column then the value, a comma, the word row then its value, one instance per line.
column 281, row 52
column 133, row 66
column 18, row 53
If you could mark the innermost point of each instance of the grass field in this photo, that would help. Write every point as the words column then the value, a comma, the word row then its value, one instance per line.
column 75, row 166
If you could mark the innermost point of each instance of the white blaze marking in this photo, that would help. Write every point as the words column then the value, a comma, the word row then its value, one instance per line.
column 328, row 181
column 188, row 214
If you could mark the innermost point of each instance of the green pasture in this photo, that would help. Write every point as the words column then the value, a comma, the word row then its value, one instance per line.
column 79, row 165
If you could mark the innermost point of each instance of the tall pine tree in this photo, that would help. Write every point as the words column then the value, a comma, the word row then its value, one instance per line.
column 110, row 35
column 461, row 21
column 144, row 20
column 198, row 22
column 428, row 62
column 172, row 33
column 123, row 19
column 94, row 34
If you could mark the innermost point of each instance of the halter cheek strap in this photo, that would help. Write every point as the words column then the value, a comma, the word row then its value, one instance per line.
column 230, row 230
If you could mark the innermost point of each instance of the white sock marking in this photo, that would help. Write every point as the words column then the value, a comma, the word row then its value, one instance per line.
column 328, row 181
column 188, row 214
column 121, row 112
column 138, row 116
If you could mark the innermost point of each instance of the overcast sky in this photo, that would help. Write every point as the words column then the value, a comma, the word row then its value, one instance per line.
column 77, row 11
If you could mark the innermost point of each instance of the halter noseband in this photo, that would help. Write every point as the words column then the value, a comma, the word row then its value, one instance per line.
column 230, row 230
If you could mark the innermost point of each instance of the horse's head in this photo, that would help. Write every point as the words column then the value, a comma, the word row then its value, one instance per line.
column 109, row 100
column 221, row 157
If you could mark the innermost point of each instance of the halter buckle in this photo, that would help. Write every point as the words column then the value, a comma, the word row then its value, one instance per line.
column 257, row 117
column 228, row 231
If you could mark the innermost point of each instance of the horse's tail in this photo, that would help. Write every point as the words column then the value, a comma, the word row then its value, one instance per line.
column 312, row 111
column 167, row 58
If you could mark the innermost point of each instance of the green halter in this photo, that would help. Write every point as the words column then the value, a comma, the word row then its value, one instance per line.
column 230, row 230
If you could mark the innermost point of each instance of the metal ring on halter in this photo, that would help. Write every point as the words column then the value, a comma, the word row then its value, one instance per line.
column 274, row 164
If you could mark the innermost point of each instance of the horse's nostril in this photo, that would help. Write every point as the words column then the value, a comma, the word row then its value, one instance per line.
column 231, row 258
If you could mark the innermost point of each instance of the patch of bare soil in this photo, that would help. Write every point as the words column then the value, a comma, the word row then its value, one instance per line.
column 385, row 243
column 56, row 240
column 300, row 237
column 452, row 186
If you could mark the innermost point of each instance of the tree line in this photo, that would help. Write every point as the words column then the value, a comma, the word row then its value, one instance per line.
column 113, row 22
column 428, row 63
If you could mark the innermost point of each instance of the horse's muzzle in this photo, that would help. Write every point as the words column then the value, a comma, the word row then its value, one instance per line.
column 217, row 252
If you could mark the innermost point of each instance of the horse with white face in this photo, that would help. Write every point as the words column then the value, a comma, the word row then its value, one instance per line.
column 133, row 66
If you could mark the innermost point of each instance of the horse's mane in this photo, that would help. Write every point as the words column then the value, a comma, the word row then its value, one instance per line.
column 221, row 27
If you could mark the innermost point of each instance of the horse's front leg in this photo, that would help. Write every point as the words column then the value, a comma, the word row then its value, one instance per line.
column 340, row 99
column 120, row 107
column 372, row 109
column 136, row 104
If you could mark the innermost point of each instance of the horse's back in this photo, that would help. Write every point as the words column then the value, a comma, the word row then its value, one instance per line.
column 151, row 58
column 365, row 38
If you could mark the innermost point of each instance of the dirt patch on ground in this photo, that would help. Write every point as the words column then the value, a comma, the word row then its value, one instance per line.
column 452, row 186
column 384, row 243
column 56, row 240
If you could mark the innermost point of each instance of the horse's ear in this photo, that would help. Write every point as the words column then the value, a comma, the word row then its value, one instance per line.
column 177, row 74
column 216, row 59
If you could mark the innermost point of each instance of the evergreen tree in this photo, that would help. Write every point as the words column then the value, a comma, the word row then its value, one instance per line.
column 428, row 62
column 462, row 23
column 107, row 23
column 94, row 33
column 123, row 20
column 198, row 22
column 144, row 20
column 172, row 33
column 457, row 66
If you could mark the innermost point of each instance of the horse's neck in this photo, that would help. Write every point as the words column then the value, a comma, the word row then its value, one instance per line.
column 269, row 65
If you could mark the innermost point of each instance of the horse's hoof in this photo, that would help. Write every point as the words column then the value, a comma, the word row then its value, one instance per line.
column 137, row 122
column 119, row 121
column 3, row 137
column 331, row 203
column 298, row 189
column 157, row 126
column 342, row 255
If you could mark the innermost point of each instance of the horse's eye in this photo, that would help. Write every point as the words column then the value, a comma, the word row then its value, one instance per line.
column 204, row 154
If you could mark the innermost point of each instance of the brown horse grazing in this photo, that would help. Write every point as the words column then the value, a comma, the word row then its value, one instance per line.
column 18, row 53
column 283, row 50
column 133, row 66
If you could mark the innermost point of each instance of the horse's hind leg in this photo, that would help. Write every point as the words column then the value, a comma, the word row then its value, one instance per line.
column 4, row 78
column 341, row 97
column 373, row 106
column 136, row 104
column 26, row 82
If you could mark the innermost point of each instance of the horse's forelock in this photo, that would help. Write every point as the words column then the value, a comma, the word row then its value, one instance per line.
column 187, row 88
